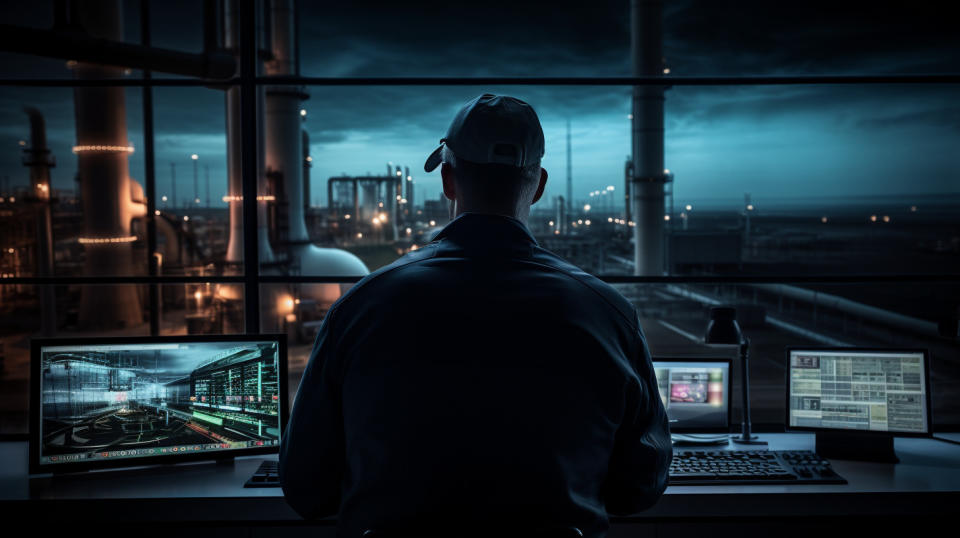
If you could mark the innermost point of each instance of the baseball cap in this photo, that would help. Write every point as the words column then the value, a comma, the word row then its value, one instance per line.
column 496, row 129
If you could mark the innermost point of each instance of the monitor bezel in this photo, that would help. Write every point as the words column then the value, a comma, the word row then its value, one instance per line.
column 722, row 360
column 926, row 380
column 36, row 467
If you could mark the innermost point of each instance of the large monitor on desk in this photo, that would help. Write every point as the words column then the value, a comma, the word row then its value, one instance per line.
column 121, row 402
column 859, row 390
column 695, row 392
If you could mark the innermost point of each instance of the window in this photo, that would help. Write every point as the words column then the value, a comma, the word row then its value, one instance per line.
column 817, row 193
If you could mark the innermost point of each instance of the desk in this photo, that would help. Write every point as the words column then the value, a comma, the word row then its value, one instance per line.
column 207, row 500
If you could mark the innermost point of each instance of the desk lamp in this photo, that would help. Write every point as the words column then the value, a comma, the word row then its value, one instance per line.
column 723, row 329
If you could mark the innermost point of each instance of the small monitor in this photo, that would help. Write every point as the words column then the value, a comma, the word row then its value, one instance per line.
column 122, row 402
column 695, row 393
column 859, row 390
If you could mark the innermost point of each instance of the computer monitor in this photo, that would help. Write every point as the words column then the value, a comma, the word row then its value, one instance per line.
column 859, row 390
column 695, row 393
column 122, row 402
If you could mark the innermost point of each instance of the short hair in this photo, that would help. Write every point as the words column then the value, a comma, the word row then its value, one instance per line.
column 493, row 183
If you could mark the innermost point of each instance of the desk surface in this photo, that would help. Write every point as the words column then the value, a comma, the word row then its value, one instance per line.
column 927, row 481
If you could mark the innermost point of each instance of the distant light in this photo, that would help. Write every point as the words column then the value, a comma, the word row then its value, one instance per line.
column 346, row 217
column 609, row 219
column 196, row 200
column 194, row 156
column 303, row 112
column 102, row 240
column 886, row 218
column 381, row 204
column 666, row 217
column 22, row 143
column 666, row 171
column 198, row 295
column 610, row 187
column 550, row 223
column 375, row 220
column 683, row 215
column 288, row 303
column 409, row 178
column 163, row 198
column 913, row 209
column 749, row 207
column 296, row 301
column 586, row 207
column 399, row 173
column 359, row 235
column 2, row 199
column 823, row 220
column 12, row 199
column 11, row 250
column 399, row 197
column 409, row 231
column 309, row 159
column 629, row 116
column 631, row 223
column 873, row 218
column 579, row 221
column 556, row 232
column 156, row 212
column 403, row 200
column 71, row 64
column 186, row 218
column 689, row 207
column 383, row 217
column 666, row 70
column 587, row 222
column 102, row 149
column 433, row 223
column 291, row 318
column 414, row 247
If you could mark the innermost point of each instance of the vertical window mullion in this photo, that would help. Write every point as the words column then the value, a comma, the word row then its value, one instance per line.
column 248, row 124
column 153, row 295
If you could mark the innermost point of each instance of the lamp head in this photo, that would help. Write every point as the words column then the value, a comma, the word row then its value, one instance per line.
column 723, row 327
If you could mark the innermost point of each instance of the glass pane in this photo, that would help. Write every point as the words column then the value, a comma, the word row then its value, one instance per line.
column 72, row 200
column 201, row 308
column 674, row 318
column 200, row 220
column 72, row 205
column 297, row 310
column 761, row 180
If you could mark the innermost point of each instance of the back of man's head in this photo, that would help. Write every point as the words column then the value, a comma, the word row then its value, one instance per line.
column 491, row 157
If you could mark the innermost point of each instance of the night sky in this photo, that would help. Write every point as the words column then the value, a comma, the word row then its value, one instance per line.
column 778, row 143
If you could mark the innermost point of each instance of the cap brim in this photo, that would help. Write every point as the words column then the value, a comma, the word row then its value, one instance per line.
column 433, row 161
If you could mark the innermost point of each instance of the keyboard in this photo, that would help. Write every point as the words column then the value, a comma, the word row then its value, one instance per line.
column 266, row 476
column 750, row 467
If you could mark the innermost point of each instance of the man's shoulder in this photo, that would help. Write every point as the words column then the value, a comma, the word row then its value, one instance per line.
column 603, row 290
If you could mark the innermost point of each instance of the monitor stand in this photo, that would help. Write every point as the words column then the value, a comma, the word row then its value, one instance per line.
column 875, row 447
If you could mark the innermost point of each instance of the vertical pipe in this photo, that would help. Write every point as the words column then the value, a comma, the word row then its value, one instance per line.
column 569, row 172
column 305, row 143
column 40, row 161
column 331, row 208
column 356, row 199
column 104, row 178
column 647, row 137
column 150, row 178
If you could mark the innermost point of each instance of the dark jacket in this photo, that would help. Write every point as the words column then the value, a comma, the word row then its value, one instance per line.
column 480, row 380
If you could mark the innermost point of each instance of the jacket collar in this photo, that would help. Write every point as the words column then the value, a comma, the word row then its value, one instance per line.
column 486, row 231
